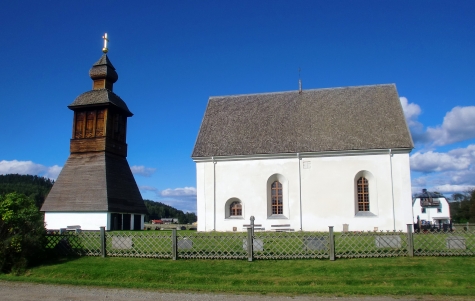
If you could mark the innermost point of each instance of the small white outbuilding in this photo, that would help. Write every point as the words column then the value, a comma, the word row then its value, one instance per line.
column 430, row 208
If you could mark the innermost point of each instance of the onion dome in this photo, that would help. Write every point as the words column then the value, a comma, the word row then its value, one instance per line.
column 103, row 74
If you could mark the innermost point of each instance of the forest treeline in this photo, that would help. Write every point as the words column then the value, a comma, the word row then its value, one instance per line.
column 34, row 187
column 157, row 210
column 38, row 188
column 462, row 207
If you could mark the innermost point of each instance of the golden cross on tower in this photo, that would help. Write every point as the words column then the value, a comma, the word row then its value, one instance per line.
column 105, row 43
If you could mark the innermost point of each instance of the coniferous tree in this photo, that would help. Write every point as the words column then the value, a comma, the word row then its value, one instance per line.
column 158, row 210
column 462, row 207
column 30, row 185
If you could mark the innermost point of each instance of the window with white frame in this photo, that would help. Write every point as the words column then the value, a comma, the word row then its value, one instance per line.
column 363, row 194
column 365, row 191
column 234, row 209
column 277, row 197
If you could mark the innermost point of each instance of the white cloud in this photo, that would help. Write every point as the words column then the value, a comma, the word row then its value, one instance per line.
column 179, row 192
column 180, row 198
column 148, row 188
column 142, row 170
column 434, row 161
column 29, row 167
column 411, row 112
column 53, row 172
column 449, row 172
column 458, row 125
column 448, row 188
column 20, row 167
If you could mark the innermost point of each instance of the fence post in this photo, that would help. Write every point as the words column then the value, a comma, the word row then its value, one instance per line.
column 174, row 245
column 252, row 223
column 103, row 241
column 332, row 243
column 410, row 241
column 250, row 244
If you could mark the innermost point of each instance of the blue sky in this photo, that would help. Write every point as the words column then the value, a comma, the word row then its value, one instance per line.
column 171, row 56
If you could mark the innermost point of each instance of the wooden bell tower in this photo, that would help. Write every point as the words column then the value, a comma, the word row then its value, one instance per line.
column 96, row 187
column 100, row 116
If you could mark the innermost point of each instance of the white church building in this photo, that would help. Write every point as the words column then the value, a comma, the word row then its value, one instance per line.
column 305, row 160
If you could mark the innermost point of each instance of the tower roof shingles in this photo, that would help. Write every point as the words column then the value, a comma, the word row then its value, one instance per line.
column 99, row 97
column 95, row 181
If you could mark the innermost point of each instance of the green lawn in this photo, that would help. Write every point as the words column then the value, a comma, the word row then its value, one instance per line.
column 369, row 276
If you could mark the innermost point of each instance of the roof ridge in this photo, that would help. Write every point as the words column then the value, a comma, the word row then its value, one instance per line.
column 304, row 90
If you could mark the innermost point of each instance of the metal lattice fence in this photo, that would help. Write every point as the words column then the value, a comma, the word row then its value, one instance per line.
column 291, row 245
column 371, row 244
column 214, row 245
column 262, row 245
column 137, row 244
column 465, row 226
column 79, row 243
column 457, row 243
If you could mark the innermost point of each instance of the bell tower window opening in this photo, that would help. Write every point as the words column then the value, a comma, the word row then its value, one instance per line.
column 100, row 123
column 122, row 128
column 90, row 124
column 119, row 127
column 79, row 125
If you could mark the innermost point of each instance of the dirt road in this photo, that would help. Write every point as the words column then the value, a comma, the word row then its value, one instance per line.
column 21, row 291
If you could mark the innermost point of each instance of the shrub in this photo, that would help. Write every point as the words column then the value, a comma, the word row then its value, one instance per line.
column 22, row 233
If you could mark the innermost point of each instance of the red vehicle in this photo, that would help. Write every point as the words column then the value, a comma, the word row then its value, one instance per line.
column 156, row 221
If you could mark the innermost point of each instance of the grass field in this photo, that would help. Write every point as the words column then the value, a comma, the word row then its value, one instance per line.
column 451, row 276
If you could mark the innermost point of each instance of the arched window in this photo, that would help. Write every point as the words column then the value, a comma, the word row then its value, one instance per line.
column 277, row 199
column 235, row 209
column 363, row 194
column 277, row 187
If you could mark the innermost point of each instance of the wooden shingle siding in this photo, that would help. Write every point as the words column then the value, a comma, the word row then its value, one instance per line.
column 95, row 182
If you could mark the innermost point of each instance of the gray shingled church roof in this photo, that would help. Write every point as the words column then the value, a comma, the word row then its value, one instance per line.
column 336, row 119
column 95, row 181
column 101, row 96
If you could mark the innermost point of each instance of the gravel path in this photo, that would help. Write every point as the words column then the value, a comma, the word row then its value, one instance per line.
column 22, row 291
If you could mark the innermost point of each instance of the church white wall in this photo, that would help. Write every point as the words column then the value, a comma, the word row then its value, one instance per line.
column 87, row 220
column 324, row 196
column 329, row 192
column 402, row 189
